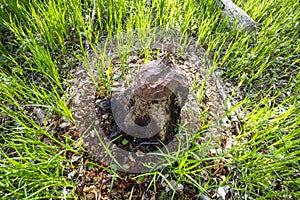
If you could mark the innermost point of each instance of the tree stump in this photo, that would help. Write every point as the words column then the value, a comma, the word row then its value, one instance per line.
column 151, row 106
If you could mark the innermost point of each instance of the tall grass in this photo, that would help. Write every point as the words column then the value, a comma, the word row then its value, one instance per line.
column 41, row 41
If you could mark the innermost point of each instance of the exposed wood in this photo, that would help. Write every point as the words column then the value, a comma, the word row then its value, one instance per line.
column 152, row 104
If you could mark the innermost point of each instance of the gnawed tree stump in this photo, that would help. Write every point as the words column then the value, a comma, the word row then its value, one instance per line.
column 151, row 106
column 131, row 150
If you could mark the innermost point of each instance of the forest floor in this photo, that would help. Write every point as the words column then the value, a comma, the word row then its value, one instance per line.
column 44, row 45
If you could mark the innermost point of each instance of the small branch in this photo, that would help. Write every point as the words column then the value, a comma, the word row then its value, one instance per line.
column 237, row 16
column 234, row 119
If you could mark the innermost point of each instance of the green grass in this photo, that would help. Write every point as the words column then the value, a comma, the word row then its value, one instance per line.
column 41, row 41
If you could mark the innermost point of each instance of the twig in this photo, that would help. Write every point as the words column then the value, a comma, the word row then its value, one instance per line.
column 237, row 16
column 227, row 102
